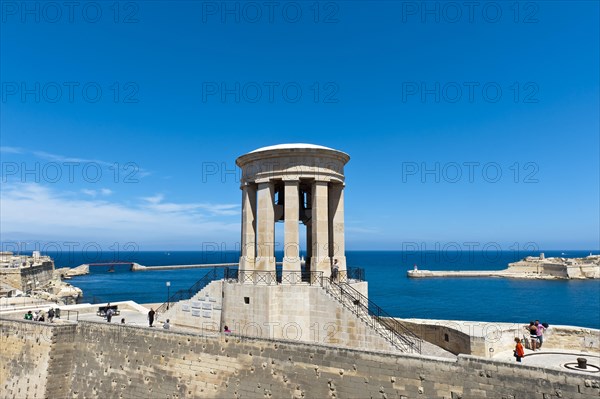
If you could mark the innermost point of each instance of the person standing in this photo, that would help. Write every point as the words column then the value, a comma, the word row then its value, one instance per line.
column 335, row 269
column 532, row 334
column 109, row 314
column 519, row 352
column 51, row 315
column 151, row 314
column 540, row 333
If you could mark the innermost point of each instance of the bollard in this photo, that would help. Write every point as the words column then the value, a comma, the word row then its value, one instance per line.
column 582, row 363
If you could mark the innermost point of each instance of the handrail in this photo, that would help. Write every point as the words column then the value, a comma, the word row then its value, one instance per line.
column 180, row 295
column 69, row 314
column 264, row 277
column 398, row 335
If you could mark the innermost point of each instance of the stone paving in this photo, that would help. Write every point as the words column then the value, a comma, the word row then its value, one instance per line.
column 556, row 359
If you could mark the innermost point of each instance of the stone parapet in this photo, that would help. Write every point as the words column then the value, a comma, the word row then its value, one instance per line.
column 101, row 360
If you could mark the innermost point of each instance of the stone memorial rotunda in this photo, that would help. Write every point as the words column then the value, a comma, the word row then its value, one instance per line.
column 293, row 183
column 292, row 299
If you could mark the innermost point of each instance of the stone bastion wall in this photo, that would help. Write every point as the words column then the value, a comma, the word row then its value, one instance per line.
column 29, row 277
column 100, row 360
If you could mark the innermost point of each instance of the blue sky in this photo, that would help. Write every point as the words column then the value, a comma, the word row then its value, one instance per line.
column 121, row 121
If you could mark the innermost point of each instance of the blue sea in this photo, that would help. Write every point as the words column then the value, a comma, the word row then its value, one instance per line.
column 475, row 299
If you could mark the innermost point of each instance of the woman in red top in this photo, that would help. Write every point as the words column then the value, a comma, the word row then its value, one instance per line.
column 519, row 351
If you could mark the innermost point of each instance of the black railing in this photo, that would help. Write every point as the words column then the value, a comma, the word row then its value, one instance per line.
column 69, row 313
column 262, row 277
column 215, row 273
column 351, row 273
column 356, row 273
column 390, row 329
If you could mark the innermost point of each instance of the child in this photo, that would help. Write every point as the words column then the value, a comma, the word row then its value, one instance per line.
column 519, row 352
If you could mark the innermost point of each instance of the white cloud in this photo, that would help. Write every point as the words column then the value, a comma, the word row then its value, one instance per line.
column 35, row 210
column 60, row 158
column 91, row 193
column 94, row 193
column 130, row 169
column 155, row 203
column 154, row 199
column 10, row 150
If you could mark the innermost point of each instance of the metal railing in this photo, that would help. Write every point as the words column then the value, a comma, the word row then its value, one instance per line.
column 390, row 329
column 262, row 277
column 215, row 273
column 69, row 313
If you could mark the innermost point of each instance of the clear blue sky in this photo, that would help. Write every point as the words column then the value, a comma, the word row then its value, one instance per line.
column 403, row 87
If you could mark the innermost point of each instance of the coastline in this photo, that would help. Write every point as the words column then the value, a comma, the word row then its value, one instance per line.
column 488, row 273
column 531, row 267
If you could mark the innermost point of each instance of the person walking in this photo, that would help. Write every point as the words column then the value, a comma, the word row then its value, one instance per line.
column 151, row 314
column 51, row 315
column 519, row 352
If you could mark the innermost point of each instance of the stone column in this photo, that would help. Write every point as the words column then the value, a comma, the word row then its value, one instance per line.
column 309, row 229
column 291, row 249
column 248, row 243
column 265, row 237
column 320, row 229
column 337, row 247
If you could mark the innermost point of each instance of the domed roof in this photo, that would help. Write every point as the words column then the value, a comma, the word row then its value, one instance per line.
column 291, row 146
column 292, row 150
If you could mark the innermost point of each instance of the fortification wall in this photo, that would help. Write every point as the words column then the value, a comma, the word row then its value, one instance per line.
column 36, row 359
column 584, row 271
column 487, row 339
column 443, row 334
column 101, row 360
column 554, row 269
column 11, row 276
column 29, row 277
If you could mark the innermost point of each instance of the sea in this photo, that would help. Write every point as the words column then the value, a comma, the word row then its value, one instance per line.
column 560, row 302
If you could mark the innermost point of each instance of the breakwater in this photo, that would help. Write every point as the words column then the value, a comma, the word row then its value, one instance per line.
column 466, row 273
column 135, row 267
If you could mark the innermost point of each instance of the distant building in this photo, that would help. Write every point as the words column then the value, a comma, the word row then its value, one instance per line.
column 23, row 272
